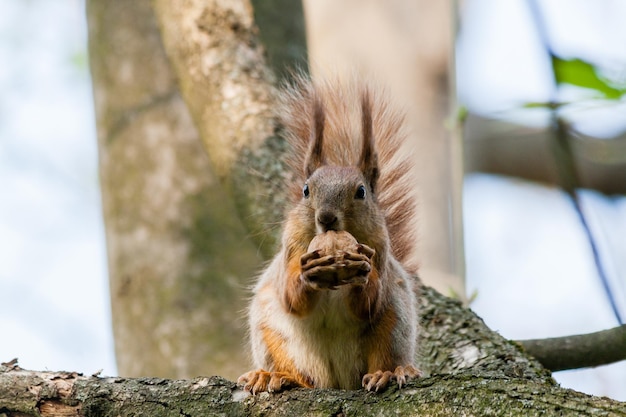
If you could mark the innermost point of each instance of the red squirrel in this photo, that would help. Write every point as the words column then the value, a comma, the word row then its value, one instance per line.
column 337, row 307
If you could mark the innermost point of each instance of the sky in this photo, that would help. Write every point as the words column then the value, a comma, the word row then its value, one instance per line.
column 55, row 310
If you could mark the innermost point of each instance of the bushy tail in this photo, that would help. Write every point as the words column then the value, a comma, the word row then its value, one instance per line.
column 341, row 99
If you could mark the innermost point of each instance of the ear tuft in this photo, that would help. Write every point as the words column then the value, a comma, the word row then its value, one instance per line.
column 368, row 162
column 315, row 158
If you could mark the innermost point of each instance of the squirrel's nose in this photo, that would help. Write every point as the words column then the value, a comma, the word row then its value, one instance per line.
column 327, row 220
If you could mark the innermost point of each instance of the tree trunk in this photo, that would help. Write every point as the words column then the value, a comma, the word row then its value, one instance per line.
column 179, row 259
column 282, row 33
column 473, row 371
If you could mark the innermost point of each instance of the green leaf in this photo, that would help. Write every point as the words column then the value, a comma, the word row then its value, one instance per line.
column 543, row 105
column 461, row 114
column 583, row 74
column 79, row 60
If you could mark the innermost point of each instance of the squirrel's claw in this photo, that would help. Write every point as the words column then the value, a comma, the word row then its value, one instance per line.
column 379, row 379
column 313, row 259
column 365, row 250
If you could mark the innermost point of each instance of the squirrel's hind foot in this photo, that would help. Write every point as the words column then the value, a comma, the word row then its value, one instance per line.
column 261, row 380
column 380, row 379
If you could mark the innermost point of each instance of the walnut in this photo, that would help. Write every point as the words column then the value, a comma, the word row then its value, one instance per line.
column 333, row 243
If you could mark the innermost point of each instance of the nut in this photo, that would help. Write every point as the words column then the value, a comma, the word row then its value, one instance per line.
column 333, row 243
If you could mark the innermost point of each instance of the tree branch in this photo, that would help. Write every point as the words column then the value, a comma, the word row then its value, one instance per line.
column 215, row 51
column 579, row 351
column 51, row 394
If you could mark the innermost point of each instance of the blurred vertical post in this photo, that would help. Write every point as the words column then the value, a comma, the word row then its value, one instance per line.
column 408, row 44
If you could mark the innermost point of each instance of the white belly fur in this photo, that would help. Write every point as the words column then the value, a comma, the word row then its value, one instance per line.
column 327, row 345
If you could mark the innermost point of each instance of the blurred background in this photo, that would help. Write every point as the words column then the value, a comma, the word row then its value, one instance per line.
column 518, row 224
column 54, row 312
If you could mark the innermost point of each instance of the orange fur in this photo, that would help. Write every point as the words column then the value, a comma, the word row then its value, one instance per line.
column 281, row 362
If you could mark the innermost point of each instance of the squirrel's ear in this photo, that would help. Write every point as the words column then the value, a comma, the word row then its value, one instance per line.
column 314, row 158
column 368, row 163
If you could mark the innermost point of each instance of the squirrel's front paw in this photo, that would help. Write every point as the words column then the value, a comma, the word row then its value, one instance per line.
column 356, row 266
column 320, row 272
column 332, row 271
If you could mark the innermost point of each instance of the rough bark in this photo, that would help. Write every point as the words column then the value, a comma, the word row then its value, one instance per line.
column 52, row 394
column 179, row 258
column 473, row 371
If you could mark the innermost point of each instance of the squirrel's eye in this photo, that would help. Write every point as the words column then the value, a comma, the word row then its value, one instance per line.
column 360, row 193
column 305, row 191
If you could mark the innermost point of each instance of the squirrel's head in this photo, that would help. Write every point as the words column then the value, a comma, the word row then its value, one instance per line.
column 342, row 197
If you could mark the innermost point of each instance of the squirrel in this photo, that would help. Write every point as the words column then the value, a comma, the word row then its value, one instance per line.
column 342, row 318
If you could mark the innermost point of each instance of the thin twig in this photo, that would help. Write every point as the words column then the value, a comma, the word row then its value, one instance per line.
column 566, row 165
